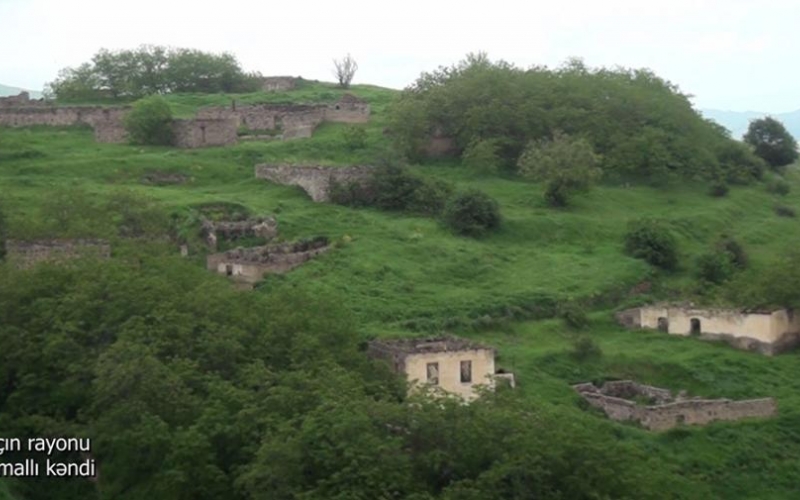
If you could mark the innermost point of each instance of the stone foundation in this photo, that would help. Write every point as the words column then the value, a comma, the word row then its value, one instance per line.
column 658, row 410
column 248, row 265
column 26, row 254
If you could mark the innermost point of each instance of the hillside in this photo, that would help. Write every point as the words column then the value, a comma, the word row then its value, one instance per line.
column 158, row 337
column 6, row 90
column 738, row 121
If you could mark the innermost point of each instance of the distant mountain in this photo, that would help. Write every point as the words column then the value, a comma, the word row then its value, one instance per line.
column 737, row 121
column 6, row 90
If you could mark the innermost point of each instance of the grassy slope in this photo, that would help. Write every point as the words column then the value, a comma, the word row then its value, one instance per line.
column 400, row 271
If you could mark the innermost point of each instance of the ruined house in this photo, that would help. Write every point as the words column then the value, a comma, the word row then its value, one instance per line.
column 261, row 227
column 456, row 365
column 26, row 254
column 315, row 180
column 278, row 83
column 348, row 109
column 657, row 409
column 248, row 265
column 765, row 331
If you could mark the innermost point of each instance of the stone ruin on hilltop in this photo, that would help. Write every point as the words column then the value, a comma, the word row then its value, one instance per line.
column 657, row 409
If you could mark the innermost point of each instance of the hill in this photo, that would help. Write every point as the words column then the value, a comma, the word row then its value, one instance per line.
column 738, row 121
column 6, row 90
column 226, row 391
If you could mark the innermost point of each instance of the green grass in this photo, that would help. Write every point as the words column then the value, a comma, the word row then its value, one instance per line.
column 399, row 273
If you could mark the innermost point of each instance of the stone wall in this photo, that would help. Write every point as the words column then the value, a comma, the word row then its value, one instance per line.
column 200, row 133
column 278, row 83
column 249, row 265
column 22, row 99
column 24, row 254
column 617, row 400
column 349, row 109
column 315, row 180
column 264, row 227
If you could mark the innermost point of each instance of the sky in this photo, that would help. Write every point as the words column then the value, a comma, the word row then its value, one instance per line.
column 738, row 55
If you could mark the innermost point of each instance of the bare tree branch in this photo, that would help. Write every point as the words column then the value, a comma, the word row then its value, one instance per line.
column 344, row 70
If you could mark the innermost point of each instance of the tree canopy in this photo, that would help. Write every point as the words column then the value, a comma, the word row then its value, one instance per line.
column 641, row 125
column 772, row 142
column 152, row 70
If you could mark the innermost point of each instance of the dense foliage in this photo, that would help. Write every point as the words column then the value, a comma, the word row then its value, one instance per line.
column 192, row 390
column 772, row 142
column 642, row 125
column 152, row 70
column 149, row 122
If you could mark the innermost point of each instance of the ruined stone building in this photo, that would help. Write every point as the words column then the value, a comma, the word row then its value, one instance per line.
column 455, row 365
column 278, row 83
column 768, row 332
column 25, row 254
column 657, row 409
column 248, row 265
column 315, row 180
column 261, row 227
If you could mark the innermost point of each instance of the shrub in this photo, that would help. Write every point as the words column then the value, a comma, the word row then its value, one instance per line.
column 573, row 315
column 394, row 187
column 784, row 211
column 351, row 194
column 355, row 138
column 472, row 213
column 150, row 122
column 779, row 186
column 481, row 156
column 430, row 197
column 715, row 267
column 585, row 349
column 650, row 240
column 718, row 190
column 729, row 245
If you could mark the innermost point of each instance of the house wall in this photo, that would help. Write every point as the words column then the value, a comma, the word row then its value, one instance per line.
column 348, row 112
column 278, row 83
column 416, row 369
column 199, row 133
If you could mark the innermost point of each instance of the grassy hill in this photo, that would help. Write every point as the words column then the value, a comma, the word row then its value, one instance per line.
column 403, row 274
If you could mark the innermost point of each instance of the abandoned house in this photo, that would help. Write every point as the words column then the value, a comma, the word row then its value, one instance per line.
column 455, row 365
column 248, row 265
column 657, row 409
column 768, row 331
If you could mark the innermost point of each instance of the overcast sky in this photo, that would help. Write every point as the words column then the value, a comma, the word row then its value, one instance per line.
column 730, row 54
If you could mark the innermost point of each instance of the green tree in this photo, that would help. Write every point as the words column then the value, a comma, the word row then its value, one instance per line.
column 651, row 240
column 566, row 165
column 150, row 122
column 771, row 142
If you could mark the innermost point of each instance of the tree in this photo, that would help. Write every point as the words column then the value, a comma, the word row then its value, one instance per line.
column 567, row 165
column 150, row 122
column 344, row 70
column 650, row 240
column 771, row 142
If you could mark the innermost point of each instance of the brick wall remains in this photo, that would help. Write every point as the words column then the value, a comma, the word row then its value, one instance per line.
column 249, row 265
column 315, row 180
column 278, row 83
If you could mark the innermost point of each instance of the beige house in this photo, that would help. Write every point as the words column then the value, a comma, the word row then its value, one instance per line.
column 768, row 332
column 455, row 365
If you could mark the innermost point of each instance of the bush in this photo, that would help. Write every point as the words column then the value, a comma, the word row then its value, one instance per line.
column 727, row 244
column 784, row 211
column 430, row 197
column 472, row 213
column 585, row 349
column 150, row 122
column 573, row 315
column 481, row 156
column 718, row 190
column 715, row 267
column 394, row 187
column 779, row 186
column 355, row 138
column 352, row 194
column 650, row 240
